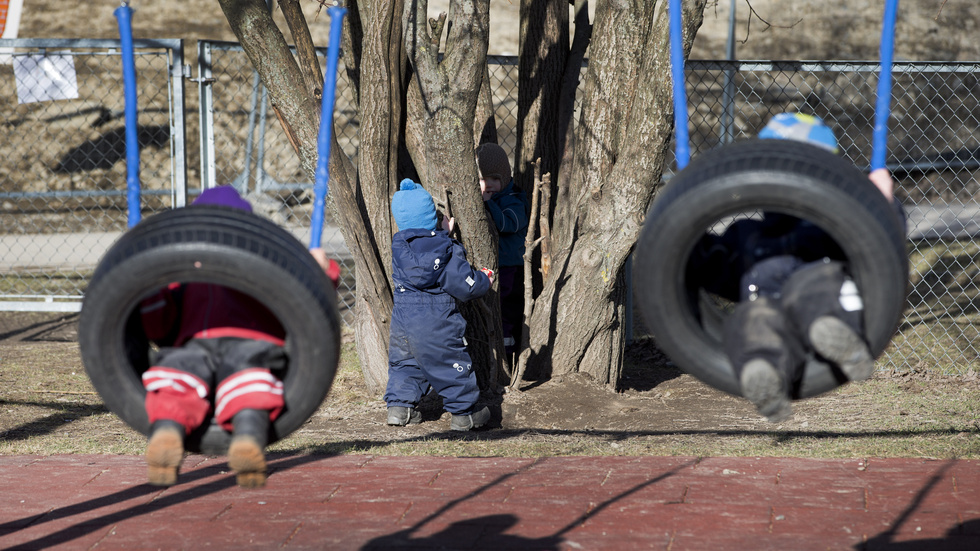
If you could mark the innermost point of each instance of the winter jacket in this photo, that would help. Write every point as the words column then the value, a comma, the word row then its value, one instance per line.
column 508, row 210
column 429, row 266
column 754, row 257
column 182, row 312
column 719, row 263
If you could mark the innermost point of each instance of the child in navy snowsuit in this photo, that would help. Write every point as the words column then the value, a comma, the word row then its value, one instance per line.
column 508, row 208
column 213, row 335
column 792, row 287
column 427, row 348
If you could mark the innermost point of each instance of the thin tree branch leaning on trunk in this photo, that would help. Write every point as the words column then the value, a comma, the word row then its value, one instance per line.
column 529, row 244
column 305, row 50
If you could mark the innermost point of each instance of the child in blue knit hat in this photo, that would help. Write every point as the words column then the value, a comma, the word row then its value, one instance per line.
column 427, row 348
column 793, row 291
column 220, row 355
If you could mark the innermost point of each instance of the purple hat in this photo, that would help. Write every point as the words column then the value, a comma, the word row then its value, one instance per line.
column 223, row 196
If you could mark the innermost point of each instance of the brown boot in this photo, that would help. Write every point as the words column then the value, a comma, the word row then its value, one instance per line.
column 164, row 452
column 246, row 455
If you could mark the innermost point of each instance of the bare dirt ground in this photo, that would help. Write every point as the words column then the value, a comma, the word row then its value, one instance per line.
column 49, row 407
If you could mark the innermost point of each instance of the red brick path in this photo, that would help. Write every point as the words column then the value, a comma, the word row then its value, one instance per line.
column 567, row 503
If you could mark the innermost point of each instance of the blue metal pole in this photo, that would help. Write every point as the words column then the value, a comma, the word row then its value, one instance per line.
column 879, row 142
column 682, row 148
column 124, row 15
column 320, row 183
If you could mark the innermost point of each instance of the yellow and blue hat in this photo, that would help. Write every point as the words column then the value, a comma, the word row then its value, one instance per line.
column 800, row 127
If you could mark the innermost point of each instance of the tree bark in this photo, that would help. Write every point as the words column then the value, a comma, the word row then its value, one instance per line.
column 448, row 93
column 428, row 126
column 541, row 69
column 620, row 145
column 381, row 91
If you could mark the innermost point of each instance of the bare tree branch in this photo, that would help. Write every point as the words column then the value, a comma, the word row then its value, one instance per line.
column 748, row 22
column 529, row 244
column 305, row 50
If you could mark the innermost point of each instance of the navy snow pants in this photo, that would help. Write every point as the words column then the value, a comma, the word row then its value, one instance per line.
column 427, row 349
column 776, row 328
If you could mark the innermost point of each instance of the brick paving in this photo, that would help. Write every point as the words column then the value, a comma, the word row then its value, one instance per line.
column 553, row 503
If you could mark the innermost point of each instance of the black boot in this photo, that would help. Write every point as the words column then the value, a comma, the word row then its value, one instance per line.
column 246, row 454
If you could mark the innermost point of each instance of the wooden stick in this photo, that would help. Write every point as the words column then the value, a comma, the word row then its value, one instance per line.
column 529, row 244
column 545, row 223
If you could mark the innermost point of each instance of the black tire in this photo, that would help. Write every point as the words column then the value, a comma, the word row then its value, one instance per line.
column 784, row 176
column 209, row 244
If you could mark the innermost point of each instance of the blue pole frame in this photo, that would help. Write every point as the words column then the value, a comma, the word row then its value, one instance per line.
column 124, row 16
column 879, row 149
column 879, row 140
column 322, row 176
column 682, row 148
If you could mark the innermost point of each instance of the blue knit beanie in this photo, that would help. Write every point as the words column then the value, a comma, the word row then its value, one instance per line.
column 413, row 207
column 800, row 127
column 224, row 196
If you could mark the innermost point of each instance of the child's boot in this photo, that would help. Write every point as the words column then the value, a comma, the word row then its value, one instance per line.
column 470, row 420
column 835, row 340
column 762, row 384
column 399, row 416
column 164, row 452
column 246, row 454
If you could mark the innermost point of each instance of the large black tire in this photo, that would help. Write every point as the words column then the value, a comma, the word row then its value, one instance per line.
column 209, row 244
column 784, row 176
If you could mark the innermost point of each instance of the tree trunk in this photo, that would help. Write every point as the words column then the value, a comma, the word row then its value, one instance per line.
column 620, row 144
column 541, row 68
column 270, row 56
column 381, row 79
column 448, row 94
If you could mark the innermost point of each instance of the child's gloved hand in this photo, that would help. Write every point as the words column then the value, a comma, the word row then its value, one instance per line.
column 489, row 273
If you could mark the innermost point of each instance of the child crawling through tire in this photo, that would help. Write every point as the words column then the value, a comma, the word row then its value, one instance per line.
column 213, row 335
column 794, row 293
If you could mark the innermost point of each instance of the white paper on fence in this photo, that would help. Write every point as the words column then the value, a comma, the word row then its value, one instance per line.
column 45, row 77
column 10, row 11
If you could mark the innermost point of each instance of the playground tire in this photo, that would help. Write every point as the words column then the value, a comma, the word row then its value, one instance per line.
column 209, row 244
column 785, row 176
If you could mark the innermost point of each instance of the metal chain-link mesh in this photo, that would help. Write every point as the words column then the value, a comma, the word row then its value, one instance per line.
column 64, row 169
column 63, row 173
column 253, row 153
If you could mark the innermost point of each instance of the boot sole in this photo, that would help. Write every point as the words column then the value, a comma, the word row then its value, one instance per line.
column 762, row 385
column 164, row 453
column 834, row 340
column 476, row 420
column 247, row 459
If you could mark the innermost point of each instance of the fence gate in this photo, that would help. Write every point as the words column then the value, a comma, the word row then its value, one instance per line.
column 63, row 169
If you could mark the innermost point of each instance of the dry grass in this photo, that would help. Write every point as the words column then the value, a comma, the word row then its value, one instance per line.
column 49, row 407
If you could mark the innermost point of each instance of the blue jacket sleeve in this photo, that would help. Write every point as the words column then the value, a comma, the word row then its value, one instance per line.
column 508, row 213
column 460, row 279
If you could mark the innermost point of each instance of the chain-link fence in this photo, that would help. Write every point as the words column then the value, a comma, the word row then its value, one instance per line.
column 64, row 172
